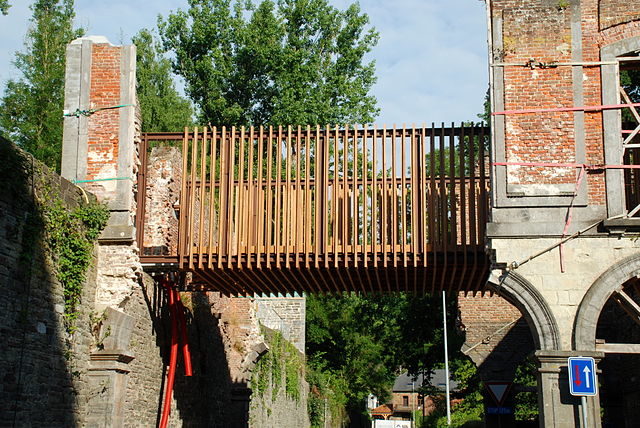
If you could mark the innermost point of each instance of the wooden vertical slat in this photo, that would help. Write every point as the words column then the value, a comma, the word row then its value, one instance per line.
column 269, row 198
column 325, row 197
column 183, row 222
column 287, row 230
column 463, row 192
column 296, row 211
column 384, row 226
column 307, row 198
column 260, row 208
column 231, row 198
column 403, row 196
column 318, row 192
column 452, row 183
column 344, row 220
column 482, row 211
column 239, row 224
column 365, row 193
column 424, row 190
column 394, row 199
column 192, row 199
column 433, row 206
column 415, row 233
column 251, row 207
column 374, row 198
column 224, row 179
column 453, row 209
column 444, row 223
column 203, row 177
column 335, row 195
column 443, row 193
column 472, row 192
column 277, row 232
column 354, row 203
column 212, row 198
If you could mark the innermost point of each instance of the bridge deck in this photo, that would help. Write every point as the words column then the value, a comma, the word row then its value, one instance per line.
column 274, row 210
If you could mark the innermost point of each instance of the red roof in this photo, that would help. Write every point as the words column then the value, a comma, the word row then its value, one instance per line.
column 382, row 410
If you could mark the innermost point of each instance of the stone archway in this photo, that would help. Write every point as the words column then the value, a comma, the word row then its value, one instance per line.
column 610, row 282
column 607, row 321
column 534, row 308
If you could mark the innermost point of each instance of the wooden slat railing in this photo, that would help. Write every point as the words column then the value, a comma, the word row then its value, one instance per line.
column 330, row 197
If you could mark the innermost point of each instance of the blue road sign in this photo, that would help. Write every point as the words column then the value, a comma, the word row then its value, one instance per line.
column 582, row 376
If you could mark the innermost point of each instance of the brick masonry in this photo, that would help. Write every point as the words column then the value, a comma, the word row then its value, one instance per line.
column 497, row 338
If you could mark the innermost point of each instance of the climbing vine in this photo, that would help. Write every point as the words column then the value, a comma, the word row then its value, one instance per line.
column 281, row 366
column 71, row 235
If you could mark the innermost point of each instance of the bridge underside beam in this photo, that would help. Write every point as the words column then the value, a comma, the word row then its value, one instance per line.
column 259, row 280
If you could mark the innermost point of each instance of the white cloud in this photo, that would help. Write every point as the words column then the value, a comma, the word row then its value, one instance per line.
column 431, row 59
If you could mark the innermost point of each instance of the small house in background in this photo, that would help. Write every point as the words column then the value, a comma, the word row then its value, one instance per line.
column 405, row 397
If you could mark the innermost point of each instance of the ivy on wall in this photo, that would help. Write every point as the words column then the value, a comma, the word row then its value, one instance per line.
column 71, row 236
column 51, row 225
column 282, row 366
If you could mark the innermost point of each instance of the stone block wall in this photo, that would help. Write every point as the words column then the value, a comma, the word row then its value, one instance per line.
column 43, row 366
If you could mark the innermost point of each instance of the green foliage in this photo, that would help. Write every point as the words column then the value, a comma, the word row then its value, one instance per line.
column 31, row 108
column 71, row 234
column 4, row 6
column 630, row 81
column 284, row 62
column 526, row 402
column 365, row 341
column 282, row 365
column 162, row 108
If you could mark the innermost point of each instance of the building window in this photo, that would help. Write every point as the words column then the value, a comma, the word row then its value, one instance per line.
column 630, row 93
column 405, row 400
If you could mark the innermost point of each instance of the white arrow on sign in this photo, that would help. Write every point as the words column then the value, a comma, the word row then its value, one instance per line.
column 586, row 372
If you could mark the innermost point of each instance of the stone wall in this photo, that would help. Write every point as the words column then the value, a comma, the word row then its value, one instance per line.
column 43, row 367
column 285, row 314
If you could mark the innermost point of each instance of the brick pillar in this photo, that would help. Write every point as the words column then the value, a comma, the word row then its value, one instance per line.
column 101, row 132
column 99, row 150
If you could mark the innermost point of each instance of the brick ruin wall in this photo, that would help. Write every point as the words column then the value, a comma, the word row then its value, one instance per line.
column 497, row 337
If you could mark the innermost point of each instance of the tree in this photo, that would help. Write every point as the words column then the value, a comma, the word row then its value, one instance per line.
column 286, row 62
column 364, row 342
column 31, row 112
column 162, row 107
column 4, row 6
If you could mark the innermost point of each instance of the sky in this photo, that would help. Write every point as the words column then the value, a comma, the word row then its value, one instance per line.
column 431, row 60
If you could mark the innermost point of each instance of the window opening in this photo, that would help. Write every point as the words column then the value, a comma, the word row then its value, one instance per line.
column 630, row 94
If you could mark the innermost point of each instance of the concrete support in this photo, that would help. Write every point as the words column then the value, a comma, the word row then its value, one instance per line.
column 558, row 407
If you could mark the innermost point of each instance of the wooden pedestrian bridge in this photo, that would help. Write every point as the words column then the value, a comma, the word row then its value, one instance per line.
column 282, row 210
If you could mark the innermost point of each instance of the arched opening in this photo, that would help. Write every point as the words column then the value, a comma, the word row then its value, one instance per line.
column 608, row 321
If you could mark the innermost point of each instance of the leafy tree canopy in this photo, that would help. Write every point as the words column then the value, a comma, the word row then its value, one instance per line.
column 31, row 113
column 366, row 341
column 161, row 106
column 285, row 62
column 4, row 6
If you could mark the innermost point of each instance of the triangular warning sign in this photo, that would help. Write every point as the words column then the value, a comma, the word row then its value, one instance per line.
column 498, row 390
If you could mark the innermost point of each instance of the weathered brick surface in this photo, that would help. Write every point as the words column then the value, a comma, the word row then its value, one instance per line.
column 102, row 152
column 615, row 12
column 497, row 338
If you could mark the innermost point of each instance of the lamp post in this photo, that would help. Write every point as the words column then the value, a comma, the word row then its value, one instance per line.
column 413, row 404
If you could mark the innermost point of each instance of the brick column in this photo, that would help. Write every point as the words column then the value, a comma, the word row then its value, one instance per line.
column 100, row 154
column 100, row 150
